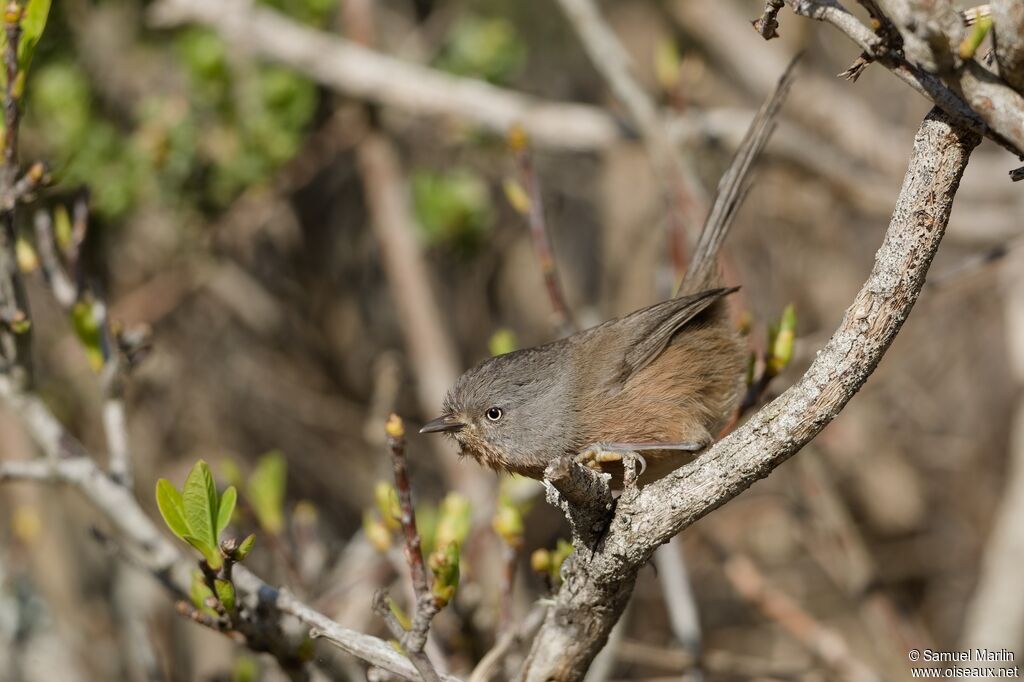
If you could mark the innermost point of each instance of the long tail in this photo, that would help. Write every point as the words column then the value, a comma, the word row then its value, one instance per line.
column 732, row 188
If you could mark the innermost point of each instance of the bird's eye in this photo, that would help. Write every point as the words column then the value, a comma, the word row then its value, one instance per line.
column 493, row 413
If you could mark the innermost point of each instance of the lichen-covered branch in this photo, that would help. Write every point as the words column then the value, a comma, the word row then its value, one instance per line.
column 975, row 97
column 598, row 586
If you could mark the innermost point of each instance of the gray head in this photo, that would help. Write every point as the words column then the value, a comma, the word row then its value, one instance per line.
column 511, row 412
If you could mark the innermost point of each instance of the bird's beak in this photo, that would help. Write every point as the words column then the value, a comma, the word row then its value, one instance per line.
column 444, row 423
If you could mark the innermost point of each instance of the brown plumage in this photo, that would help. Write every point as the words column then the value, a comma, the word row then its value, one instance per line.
column 667, row 375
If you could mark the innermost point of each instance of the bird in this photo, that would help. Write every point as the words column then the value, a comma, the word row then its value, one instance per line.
column 658, row 382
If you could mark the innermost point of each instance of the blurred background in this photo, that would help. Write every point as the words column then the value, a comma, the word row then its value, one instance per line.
column 310, row 258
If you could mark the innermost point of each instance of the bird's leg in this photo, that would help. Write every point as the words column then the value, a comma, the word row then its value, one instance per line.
column 597, row 454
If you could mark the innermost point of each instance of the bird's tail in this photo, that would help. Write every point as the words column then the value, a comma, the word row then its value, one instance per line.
column 732, row 188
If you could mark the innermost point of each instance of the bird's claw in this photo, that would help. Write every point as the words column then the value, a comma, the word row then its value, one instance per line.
column 596, row 455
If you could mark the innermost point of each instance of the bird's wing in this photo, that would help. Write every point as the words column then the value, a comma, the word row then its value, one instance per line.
column 654, row 327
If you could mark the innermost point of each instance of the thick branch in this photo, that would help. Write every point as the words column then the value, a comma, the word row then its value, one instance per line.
column 1008, row 26
column 582, row 494
column 931, row 34
column 370, row 75
column 595, row 591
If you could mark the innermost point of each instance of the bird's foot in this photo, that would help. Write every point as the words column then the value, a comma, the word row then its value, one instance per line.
column 601, row 453
column 597, row 454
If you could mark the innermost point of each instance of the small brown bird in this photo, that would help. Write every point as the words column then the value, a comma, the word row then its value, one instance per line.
column 659, row 381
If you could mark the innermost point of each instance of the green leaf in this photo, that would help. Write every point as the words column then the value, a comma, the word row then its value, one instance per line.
column 401, row 616
column 88, row 332
column 172, row 508
column 225, row 594
column 200, row 498
column 973, row 41
column 33, row 21
column 246, row 547
column 502, row 341
column 456, row 516
column 508, row 524
column 485, row 47
column 782, row 344
column 63, row 231
column 211, row 554
column 444, row 564
column 452, row 207
column 386, row 497
column 245, row 670
column 226, row 509
column 266, row 491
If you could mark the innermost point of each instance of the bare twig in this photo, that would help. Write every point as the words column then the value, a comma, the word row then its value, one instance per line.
column 995, row 122
column 595, row 592
column 768, row 23
column 823, row 107
column 995, row 611
column 685, row 198
column 63, row 288
column 23, row 188
column 932, row 33
column 15, row 322
column 431, row 351
column 680, row 601
column 486, row 669
column 371, row 75
column 426, row 605
column 413, row 549
column 68, row 289
column 825, row 643
column 382, row 607
column 539, row 234
column 115, row 422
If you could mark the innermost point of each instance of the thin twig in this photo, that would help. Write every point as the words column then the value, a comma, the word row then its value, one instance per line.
column 509, row 561
column 430, row 349
column 824, row 642
column 20, row 190
column 486, row 669
column 540, row 235
column 991, row 125
column 115, row 422
column 678, row 594
column 685, row 197
column 15, row 317
column 426, row 605
column 64, row 290
column 768, row 23
column 413, row 548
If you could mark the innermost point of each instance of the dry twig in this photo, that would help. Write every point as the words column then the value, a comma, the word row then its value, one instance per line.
column 685, row 198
